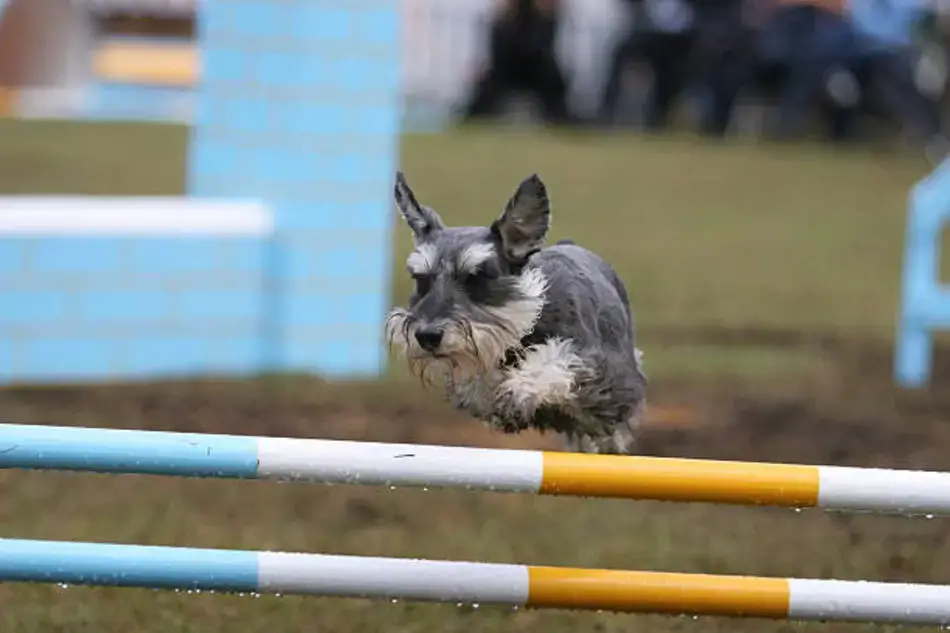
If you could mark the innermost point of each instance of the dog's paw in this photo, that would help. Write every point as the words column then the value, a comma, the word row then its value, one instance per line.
column 508, row 426
column 509, row 413
column 620, row 442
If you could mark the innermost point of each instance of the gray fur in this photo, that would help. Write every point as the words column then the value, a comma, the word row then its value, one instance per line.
column 520, row 334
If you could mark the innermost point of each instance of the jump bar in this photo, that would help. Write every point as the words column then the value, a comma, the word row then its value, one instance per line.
column 538, row 472
column 233, row 571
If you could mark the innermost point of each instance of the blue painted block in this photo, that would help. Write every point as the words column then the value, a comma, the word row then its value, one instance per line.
column 219, row 305
column 215, row 158
column 361, row 357
column 256, row 19
column 328, row 261
column 315, row 23
column 346, row 168
column 370, row 255
column 163, row 355
column 299, row 167
column 301, row 214
column 321, row 119
column 373, row 120
column 12, row 253
column 373, row 216
column 166, row 256
column 74, row 255
column 378, row 26
column 25, row 308
column 281, row 166
column 340, row 358
column 64, row 359
column 244, row 354
column 335, row 356
column 366, row 308
column 374, row 260
column 224, row 65
column 332, row 261
column 277, row 68
column 244, row 256
column 310, row 309
column 248, row 114
column 354, row 74
column 123, row 306
column 304, row 355
column 7, row 368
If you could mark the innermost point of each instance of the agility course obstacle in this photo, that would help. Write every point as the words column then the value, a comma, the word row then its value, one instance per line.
column 472, row 583
column 539, row 472
column 297, row 113
column 334, row 461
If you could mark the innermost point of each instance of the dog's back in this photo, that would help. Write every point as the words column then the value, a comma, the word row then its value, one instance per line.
column 582, row 286
column 587, row 306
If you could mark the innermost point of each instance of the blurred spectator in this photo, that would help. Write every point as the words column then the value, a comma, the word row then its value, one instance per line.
column 886, row 33
column 662, row 35
column 815, row 49
column 685, row 44
column 521, row 56
column 722, row 59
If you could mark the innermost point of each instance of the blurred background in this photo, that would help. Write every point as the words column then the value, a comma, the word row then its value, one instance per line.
column 744, row 164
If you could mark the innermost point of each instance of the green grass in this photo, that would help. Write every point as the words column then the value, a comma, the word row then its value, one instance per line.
column 715, row 241
column 706, row 235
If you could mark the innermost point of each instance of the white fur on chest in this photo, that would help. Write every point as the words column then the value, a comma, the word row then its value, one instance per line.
column 546, row 376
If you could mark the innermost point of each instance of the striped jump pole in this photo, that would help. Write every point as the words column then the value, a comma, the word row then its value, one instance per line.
column 230, row 571
column 539, row 472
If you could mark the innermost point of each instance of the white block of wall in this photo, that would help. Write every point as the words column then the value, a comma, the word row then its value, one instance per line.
column 171, row 216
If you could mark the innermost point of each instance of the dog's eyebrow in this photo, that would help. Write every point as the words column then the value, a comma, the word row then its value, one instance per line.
column 473, row 256
column 422, row 260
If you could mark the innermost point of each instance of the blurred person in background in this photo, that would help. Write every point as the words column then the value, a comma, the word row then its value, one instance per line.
column 888, row 35
column 814, row 46
column 522, row 57
column 662, row 35
column 684, row 44
column 722, row 59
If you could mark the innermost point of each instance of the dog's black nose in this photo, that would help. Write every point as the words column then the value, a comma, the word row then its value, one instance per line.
column 429, row 338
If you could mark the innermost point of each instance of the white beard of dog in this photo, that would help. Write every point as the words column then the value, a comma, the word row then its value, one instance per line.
column 469, row 367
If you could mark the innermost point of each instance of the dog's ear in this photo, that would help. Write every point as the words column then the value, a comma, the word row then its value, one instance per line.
column 525, row 221
column 422, row 220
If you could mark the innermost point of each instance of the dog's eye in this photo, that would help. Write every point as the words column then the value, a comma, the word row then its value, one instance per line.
column 475, row 282
column 423, row 284
column 483, row 273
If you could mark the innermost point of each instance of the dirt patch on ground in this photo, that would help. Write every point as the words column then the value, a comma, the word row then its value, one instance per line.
column 850, row 414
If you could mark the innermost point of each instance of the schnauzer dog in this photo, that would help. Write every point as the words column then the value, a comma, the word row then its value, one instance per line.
column 519, row 333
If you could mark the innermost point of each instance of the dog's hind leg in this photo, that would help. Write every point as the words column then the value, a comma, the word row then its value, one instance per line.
column 611, row 401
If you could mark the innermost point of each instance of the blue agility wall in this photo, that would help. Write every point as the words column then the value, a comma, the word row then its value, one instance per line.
column 298, row 108
column 93, row 308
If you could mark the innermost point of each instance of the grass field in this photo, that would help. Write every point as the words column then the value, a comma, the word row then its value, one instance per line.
column 765, row 282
